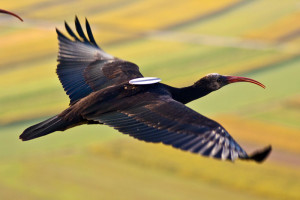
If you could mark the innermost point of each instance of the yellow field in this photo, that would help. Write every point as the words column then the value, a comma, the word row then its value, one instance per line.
column 276, row 31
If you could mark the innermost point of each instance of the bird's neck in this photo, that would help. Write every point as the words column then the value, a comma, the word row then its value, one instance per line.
column 188, row 94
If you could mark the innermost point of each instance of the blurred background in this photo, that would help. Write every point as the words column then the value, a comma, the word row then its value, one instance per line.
column 178, row 41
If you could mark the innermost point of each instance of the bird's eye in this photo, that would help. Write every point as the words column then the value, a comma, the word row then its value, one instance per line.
column 219, row 80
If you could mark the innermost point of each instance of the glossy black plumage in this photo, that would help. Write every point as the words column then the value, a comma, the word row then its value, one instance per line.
column 84, row 67
column 99, row 90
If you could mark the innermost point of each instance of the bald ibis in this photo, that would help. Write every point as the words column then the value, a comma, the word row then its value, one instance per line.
column 10, row 13
column 107, row 90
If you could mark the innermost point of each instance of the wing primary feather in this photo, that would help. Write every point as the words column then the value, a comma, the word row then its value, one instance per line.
column 234, row 154
column 183, row 141
column 173, row 138
column 79, row 30
column 225, row 152
column 201, row 143
column 191, row 143
column 260, row 155
column 206, row 150
column 60, row 34
column 156, row 136
column 120, row 122
column 132, row 126
column 197, row 147
column 229, row 154
column 190, row 146
column 134, row 129
column 69, row 30
column 218, row 153
column 89, row 32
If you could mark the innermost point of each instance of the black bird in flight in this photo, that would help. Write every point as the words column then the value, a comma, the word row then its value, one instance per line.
column 107, row 90
column 10, row 13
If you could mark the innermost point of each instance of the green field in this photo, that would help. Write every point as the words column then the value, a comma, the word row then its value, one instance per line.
column 178, row 42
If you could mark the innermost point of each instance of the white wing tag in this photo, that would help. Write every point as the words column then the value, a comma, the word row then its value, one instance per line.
column 144, row 81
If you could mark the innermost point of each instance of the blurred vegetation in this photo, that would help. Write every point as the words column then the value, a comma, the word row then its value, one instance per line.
column 178, row 42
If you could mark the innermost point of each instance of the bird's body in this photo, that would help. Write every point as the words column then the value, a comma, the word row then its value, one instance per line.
column 107, row 90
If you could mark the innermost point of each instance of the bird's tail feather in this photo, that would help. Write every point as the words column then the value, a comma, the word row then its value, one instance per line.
column 43, row 128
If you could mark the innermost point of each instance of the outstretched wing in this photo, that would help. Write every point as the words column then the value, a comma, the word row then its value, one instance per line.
column 172, row 123
column 84, row 67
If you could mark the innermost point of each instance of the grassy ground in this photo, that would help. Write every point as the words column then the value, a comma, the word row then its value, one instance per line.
column 179, row 47
column 107, row 164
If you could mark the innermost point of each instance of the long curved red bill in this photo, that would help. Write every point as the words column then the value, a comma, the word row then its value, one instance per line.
column 10, row 13
column 233, row 79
